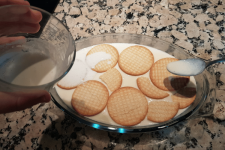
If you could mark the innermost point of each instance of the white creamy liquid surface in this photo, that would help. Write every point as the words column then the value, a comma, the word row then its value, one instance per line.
column 97, row 57
column 186, row 67
column 76, row 74
column 39, row 73
column 128, row 80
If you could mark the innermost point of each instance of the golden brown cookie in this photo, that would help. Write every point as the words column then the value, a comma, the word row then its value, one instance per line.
column 165, row 80
column 136, row 60
column 105, row 65
column 127, row 106
column 147, row 88
column 161, row 111
column 112, row 78
column 184, row 97
column 90, row 98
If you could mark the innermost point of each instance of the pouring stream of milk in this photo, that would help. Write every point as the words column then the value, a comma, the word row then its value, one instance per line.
column 187, row 67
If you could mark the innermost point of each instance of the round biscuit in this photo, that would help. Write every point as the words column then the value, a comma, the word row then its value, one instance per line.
column 136, row 60
column 165, row 80
column 184, row 97
column 161, row 111
column 90, row 98
column 148, row 89
column 127, row 106
column 112, row 78
column 103, row 66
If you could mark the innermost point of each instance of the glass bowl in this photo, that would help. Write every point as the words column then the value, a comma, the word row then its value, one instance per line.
column 203, row 104
column 53, row 41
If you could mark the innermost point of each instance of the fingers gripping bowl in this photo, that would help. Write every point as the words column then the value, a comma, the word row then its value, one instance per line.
column 205, row 82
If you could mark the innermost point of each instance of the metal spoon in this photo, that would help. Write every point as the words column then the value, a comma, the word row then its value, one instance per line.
column 190, row 67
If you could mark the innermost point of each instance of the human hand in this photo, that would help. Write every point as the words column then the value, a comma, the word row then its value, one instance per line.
column 19, row 19
column 16, row 101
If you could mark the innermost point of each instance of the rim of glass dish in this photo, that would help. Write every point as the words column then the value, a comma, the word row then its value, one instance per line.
column 73, row 59
column 124, row 129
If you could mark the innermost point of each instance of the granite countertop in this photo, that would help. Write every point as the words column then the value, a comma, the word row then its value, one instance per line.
column 196, row 25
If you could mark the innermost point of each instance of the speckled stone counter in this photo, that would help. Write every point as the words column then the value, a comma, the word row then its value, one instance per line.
column 196, row 25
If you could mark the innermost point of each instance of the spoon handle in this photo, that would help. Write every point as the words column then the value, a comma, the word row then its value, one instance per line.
column 215, row 61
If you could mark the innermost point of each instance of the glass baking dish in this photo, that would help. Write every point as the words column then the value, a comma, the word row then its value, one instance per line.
column 206, row 82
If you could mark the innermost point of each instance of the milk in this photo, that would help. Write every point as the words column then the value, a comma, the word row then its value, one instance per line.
column 95, row 58
column 77, row 73
column 186, row 67
column 26, row 62
column 39, row 73
column 128, row 80
column 27, row 69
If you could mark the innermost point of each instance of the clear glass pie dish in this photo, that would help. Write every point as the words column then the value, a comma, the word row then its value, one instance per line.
column 206, row 82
